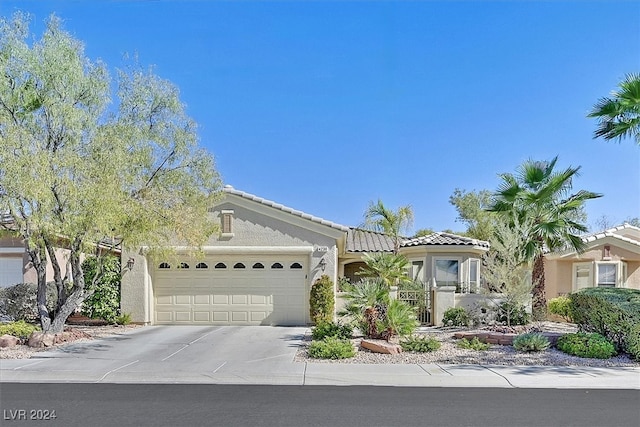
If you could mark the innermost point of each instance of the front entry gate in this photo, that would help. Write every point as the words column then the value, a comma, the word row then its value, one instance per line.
column 421, row 300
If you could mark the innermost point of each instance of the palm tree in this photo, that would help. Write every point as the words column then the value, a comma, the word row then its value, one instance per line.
column 619, row 116
column 390, row 268
column 378, row 217
column 539, row 196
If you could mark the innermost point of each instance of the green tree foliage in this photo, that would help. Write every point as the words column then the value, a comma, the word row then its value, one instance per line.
column 619, row 115
column 322, row 300
column 391, row 268
column 508, row 273
column 367, row 302
column 79, row 164
column 103, row 290
column 540, row 197
column 472, row 211
column 378, row 217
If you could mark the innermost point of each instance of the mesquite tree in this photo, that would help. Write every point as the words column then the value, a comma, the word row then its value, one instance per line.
column 80, row 165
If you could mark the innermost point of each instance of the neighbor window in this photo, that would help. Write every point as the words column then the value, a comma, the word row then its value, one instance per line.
column 607, row 275
column 474, row 275
column 447, row 271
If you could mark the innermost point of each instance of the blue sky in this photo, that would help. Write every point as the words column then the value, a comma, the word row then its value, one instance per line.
column 326, row 105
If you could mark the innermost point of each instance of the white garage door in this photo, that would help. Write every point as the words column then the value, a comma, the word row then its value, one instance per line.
column 10, row 271
column 267, row 290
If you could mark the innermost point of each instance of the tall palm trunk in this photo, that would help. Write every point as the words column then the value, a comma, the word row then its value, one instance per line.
column 539, row 303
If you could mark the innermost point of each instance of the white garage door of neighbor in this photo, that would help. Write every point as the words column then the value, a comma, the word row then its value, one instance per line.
column 267, row 290
column 10, row 271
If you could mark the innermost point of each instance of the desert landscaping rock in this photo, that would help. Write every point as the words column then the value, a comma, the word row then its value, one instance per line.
column 41, row 340
column 9, row 341
column 381, row 346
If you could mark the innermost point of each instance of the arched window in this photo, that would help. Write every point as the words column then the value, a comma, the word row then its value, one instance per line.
column 164, row 265
column 258, row 265
column 183, row 265
column 220, row 265
column 202, row 265
column 239, row 265
column 276, row 265
column 296, row 266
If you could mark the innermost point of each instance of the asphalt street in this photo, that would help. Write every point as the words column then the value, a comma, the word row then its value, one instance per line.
column 256, row 405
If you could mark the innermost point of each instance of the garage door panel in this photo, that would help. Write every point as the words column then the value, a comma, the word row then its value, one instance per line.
column 232, row 296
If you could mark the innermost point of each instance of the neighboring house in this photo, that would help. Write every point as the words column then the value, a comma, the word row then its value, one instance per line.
column 260, row 268
column 611, row 259
column 15, row 263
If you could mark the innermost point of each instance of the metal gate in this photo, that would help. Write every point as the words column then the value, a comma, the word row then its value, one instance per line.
column 421, row 300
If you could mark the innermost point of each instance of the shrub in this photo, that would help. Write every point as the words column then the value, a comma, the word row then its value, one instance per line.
column 611, row 312
column 473, row 344
column 456, row 316
column 332, row 348
column 123, row 319
column 420, row 344
column 322, row 300
column 531, row 342
column 400, row 319
column 104, row 302
column 19, row 302
column 367, row 302
column 20, row 329
column 511, row 313
column 632, row 344
column 560, row 306
column 331, row 329
column 591, row 345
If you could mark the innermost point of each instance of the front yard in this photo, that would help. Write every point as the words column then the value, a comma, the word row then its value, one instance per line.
column 450, row 353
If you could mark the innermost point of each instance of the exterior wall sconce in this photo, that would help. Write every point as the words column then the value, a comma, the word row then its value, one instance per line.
column 130, row 263
column 322, row 264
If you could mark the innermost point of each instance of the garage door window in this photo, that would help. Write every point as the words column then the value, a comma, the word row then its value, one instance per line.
column 183, row 265
column 276, row 265
column 239, row 265
column 258, row 265
column 296, row 266
column 164, row 265
column 221, row 265
column 202, row 265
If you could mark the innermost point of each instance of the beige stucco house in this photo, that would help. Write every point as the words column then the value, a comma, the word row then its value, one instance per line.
column 611, row 259
column 259, row 269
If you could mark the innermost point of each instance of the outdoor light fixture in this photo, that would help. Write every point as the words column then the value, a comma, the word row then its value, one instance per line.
column 130, row 263
column 322, row 264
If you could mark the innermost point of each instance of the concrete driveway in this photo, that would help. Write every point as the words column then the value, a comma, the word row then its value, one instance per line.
column 165, row 354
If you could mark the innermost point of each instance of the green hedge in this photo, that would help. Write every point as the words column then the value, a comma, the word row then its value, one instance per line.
column 611, row 312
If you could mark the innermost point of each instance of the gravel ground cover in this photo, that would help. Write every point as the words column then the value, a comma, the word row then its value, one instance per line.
column 76, row 333
column 449, row 353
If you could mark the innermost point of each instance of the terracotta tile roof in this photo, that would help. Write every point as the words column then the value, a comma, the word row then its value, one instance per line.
column 359, row 240
column 230, row 190
column 444, row 239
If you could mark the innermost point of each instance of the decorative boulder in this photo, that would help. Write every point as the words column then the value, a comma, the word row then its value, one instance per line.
column 41, row 340
column 381, row 346
column 8, row 341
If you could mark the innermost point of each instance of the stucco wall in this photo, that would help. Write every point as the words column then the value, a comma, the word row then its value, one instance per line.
column 264, row 227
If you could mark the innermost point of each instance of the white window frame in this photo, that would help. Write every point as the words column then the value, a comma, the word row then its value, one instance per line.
column 620, row 269
column 574, row 273
column 474, row 285
column 421, row 277
column 447, row 258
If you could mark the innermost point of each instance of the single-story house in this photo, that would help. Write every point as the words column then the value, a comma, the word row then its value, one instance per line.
column 259, row 269
column 611, row 259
